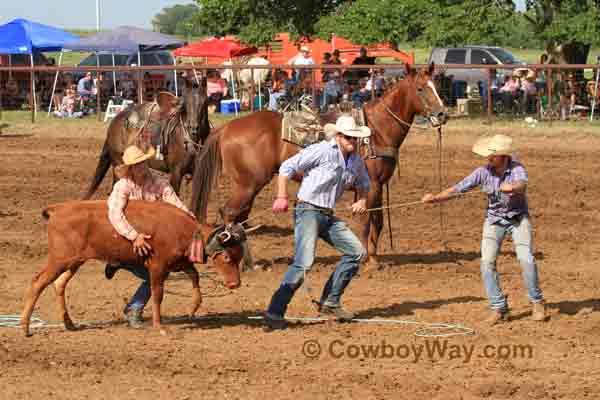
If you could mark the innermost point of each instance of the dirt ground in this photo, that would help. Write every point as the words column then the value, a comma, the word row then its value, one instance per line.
column 230, row 356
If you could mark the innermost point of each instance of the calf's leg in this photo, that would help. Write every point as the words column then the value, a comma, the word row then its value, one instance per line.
column 157, row 284
column 47, row 275
column 60, row 286
column 192, row 273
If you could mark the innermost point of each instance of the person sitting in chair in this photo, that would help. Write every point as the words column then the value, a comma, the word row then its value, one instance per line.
column 362, row 95
column 216, row 89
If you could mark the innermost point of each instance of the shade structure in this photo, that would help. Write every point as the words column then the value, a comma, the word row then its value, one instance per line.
column 125, row 40
column 216, row 48
column 21, row 36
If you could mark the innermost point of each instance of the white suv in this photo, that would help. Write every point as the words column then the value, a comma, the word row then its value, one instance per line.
column 472, row 55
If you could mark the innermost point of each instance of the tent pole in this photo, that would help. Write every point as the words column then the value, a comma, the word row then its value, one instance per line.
column 10, row 66
column 233, row 87
column 54, row 86
column 140, row 82
column 33, row 101
column 114, row 74
column 98, row 88
column 175, row 76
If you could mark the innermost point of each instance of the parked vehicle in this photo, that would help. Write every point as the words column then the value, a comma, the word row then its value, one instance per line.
column 488, row 55
column 146, row 58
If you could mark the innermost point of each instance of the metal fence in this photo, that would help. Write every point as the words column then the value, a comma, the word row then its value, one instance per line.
column 536, row 91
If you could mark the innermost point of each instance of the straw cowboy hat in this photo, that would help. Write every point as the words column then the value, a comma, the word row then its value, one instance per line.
column 131, row 156
column 497, row 145
column 346, row 126
column 530, row 75
column 134, row 155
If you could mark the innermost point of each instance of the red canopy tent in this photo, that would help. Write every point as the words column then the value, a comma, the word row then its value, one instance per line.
column 213, row 48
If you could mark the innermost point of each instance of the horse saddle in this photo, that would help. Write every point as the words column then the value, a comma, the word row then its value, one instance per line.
column 302, row 128
column 152, row 121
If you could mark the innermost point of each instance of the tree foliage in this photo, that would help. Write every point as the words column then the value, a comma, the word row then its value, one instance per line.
column 546, row 23
column 257, row 21
column 177, row 20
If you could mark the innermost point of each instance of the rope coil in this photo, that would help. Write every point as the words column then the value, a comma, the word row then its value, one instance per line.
column 428, row 330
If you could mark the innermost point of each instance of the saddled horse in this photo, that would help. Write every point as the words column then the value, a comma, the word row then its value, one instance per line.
column 249, row 150
column 186, row 124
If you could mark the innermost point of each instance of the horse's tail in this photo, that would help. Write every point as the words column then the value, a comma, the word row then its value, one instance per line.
column 206, row 172
column 101, row 169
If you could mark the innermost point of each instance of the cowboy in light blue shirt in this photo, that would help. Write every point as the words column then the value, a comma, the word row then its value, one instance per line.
column 328, row 168
column 505, row 181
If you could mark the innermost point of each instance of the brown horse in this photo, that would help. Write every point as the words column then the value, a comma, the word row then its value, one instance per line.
column 188, row 127
column 250, row 150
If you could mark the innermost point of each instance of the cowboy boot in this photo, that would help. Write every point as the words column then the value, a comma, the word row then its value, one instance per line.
column 538, row 311
column 134, row 318
column 497, row 316
column 338, row 313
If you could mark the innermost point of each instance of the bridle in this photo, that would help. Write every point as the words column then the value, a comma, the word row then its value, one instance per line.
column 432, row 119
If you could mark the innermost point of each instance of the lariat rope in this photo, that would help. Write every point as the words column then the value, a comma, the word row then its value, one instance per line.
column 390, row 207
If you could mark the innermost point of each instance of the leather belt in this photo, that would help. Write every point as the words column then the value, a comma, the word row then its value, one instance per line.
column 327, row 211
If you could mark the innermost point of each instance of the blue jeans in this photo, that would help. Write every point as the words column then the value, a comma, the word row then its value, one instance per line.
column 309, row 226
column 493, row 235
column 143, row 293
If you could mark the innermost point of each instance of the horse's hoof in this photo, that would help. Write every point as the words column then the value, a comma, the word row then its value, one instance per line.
column 165, row 332
column 371, row 265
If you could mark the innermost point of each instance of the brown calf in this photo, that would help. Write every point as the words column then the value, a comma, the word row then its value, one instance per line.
column 80, row 230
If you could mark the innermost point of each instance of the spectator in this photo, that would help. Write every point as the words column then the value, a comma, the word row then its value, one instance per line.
column 128, row 87
column 335, row 57
column 363, row 59
column 528, row 87
column 540, row 78
column 379, row 85
column 509, row 91
column 332, row 91
column 302, row 58
column 67, row 106
column 85, row 86
column 216, row 89
column 494, row 87
column 325, row 75
column 11, row 95
column 277, row 89
column 361, row 95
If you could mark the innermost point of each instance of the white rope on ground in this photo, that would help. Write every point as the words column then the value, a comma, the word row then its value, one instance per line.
column 428, row 329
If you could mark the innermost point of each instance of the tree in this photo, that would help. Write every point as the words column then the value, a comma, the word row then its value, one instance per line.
column 257, row 21
column 568, row 28
column 170, row 20
column 373, row 21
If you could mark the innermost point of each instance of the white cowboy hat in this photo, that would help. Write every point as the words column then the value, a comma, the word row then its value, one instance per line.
column 496, row 145
column 305, row 48
column 346, row 126
column 134, row 155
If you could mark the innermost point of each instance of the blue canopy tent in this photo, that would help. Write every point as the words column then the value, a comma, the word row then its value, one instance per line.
column 22, row 36
column 126, row 40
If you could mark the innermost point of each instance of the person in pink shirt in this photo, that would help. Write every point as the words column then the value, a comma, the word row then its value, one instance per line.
column 216, row 89
column 137, row 183
column 509, row 91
